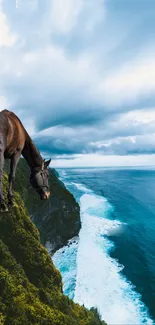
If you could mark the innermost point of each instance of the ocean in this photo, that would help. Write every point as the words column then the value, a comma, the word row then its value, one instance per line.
column 111, row 265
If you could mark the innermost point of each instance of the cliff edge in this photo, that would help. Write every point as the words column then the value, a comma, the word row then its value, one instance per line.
column 30, row 285
column 57, row 219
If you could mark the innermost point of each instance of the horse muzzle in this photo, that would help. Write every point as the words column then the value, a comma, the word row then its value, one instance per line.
column 45, row 196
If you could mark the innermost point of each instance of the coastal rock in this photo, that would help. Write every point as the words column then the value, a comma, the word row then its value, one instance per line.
column 57, row 219
column 30, row 285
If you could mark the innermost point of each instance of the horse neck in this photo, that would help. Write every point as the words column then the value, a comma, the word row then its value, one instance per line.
column 32, row 154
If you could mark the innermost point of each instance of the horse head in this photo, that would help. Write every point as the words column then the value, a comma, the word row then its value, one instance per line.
column 39, row 180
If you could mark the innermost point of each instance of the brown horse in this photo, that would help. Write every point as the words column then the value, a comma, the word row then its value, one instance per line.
column 14, row 141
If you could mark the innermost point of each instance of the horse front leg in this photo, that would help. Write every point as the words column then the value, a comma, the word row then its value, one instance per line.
column 13, row 165
column 3, row 206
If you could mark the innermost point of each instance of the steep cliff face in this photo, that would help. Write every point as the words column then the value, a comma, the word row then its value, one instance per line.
column 30, row 285
column 57, row 219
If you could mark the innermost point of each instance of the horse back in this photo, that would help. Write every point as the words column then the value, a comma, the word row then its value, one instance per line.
column 15, row 135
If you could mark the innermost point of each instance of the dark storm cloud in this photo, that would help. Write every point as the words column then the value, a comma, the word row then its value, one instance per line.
column 57, row 146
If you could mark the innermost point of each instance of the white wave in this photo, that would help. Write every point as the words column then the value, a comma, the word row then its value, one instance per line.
column 90, row 275
column 82, row 187
column 65, row 261
column 99, row 282
column 62, row 174
column 67, row 183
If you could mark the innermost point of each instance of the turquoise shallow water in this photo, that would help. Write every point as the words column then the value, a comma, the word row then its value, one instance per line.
column 112, row 265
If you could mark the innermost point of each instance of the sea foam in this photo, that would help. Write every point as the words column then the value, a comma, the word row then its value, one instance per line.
column 81, row 187
column 90, row 275
column 65, row 260
column 99, row 281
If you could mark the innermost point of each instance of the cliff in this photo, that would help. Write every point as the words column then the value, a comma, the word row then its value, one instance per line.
column 57, row 219
column 30, row 285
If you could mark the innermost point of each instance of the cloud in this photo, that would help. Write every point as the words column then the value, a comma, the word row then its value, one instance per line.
column 127, row 145
column 76, row 13
column 131, row 83
column 23, row 5
column 65, row 86
column 124, row 134
column 64, row 16
column 3, row 102
column 96, row 160
column 81, row 76
column 18, row 3
column 7, row 38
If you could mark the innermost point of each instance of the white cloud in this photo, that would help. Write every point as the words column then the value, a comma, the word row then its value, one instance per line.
column 29, row 125
column 127, row 145
column 18, row 2
column 24, row 6
column 67, row 72
column 109, row 161
column 143, row 116
column 64, row 15
column 95, row 13
column 133, row 81
column 132, row 123
column 7, row 38
column 59, row 72
column 3, row 103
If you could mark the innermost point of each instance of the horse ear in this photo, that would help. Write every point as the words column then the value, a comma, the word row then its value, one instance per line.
column 46, row 163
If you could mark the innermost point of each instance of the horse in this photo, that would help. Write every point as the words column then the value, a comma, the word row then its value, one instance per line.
column 14, row 142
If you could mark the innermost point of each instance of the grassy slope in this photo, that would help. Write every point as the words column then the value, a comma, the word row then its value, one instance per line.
column 57, row 219
column 30, row 285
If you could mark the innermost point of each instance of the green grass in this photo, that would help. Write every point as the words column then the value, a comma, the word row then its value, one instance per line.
column 57, row 219
column 30, row 285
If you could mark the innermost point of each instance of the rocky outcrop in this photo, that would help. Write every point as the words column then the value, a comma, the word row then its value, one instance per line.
column 57, row 219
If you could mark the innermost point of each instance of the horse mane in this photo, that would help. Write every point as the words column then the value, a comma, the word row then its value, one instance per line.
column 31, row 153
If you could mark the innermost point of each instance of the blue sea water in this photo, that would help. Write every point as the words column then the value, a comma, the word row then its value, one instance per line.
column 111, row 265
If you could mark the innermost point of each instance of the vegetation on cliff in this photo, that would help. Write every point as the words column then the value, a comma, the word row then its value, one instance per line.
column 57, row 219
column 30, row 285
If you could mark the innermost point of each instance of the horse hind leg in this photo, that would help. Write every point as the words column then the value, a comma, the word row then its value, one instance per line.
column 13, row 165
column 3, row 206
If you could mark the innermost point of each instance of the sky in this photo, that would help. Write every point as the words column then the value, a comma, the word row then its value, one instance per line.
column 80, row 74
